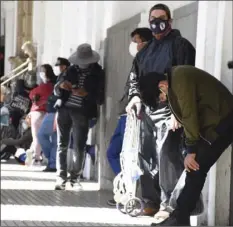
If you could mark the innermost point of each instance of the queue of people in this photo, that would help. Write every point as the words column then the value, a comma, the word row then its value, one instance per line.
column 191, row 130
column 60, row 110
column 188, row 110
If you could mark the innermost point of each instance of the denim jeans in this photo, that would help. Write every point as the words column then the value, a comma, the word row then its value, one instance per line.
column 114, row 149
column 48, row 139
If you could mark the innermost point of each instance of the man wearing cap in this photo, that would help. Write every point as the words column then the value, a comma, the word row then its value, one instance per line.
column 84, row 82
column 61, row 66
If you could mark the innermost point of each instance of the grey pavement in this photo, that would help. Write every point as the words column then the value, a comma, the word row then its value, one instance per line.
column 28, row 199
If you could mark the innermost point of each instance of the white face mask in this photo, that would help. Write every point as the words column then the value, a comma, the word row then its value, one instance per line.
column 133, row 49
column 56, row 71
column 43, row 77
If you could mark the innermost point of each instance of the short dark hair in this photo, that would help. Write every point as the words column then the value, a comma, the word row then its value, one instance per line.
column 162, row 7
column 144, row 33
column 148, row 87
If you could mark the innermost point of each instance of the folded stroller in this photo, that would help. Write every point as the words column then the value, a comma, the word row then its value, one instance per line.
column 125, row 183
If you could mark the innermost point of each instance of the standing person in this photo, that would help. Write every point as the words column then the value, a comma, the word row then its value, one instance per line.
column 39, row 97
column 84, row 82
column 61, row 66
column 47, row 135
column 204, row 106
column 140, row 37
column 167, row 49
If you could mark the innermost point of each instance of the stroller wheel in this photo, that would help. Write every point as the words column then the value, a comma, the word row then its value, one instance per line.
column 134, row 207
column 121, row 208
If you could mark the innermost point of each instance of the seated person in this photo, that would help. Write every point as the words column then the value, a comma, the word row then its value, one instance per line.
column 20, row 145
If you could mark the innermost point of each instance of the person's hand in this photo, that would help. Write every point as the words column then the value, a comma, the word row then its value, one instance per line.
column 79, row 91
column 174, row 123
column 66, row 85
column 190, row 163
column 134, row 102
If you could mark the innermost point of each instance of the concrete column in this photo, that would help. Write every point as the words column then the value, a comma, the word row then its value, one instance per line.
column 10, row 31
column 209, row 56
column 38, row 28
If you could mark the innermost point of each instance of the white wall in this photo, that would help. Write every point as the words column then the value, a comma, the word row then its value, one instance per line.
column 214, row 50
column 75, row 22
column 2, row 22
column 224, row 164
column 10, row 10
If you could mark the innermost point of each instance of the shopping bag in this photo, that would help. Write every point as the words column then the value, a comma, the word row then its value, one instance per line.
column 124, row 184
column 176, row 192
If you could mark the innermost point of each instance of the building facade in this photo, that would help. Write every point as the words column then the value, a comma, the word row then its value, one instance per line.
column 58, row 27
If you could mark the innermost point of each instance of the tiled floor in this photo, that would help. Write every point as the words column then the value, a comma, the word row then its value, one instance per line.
column 28, row 199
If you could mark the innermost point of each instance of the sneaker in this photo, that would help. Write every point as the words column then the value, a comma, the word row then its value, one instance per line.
column 60, row 184
column 172, row 220
column 37, row 162
column 29, row 157
column 75, row 185
column 111, row 202
column 50, row 170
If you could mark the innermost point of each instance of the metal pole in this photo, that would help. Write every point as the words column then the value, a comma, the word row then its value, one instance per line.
column 14, row 70
column 13, row 77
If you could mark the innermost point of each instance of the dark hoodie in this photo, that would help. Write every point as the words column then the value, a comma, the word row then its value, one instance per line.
column 159, row 56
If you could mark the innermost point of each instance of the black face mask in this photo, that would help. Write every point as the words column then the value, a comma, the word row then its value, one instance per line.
column 159, row 26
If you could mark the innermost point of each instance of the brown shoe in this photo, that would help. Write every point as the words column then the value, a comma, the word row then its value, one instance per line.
column 150, row 209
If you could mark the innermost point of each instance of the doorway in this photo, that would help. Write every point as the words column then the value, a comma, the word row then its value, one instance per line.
column 185, row 20
column 117, row 63
column 2, row 47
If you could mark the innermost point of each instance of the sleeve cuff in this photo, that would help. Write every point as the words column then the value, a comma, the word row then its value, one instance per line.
column 191, row 149
column 133, row 95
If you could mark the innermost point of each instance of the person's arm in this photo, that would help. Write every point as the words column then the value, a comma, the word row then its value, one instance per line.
column 17, row 142
column 32, row 93
column 185, row 53
column 187, row 100
column 133, row 82
column 57, row 90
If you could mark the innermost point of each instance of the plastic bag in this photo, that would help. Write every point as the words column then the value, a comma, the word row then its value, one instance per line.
column 176, row 192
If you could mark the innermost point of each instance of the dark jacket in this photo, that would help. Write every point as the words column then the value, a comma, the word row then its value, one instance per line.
column 123, row 102
column 23, row 142
column 50, row 104
column 159, row 56
column 94, row 84
column 202, row 104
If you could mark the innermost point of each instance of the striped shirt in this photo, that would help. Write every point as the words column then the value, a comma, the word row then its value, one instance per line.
column 76, row 101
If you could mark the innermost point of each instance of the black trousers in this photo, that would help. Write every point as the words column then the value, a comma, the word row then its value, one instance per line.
column 206, row 157
column 68, row 119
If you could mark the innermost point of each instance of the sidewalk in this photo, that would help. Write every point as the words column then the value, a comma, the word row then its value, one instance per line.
column 28, row 199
